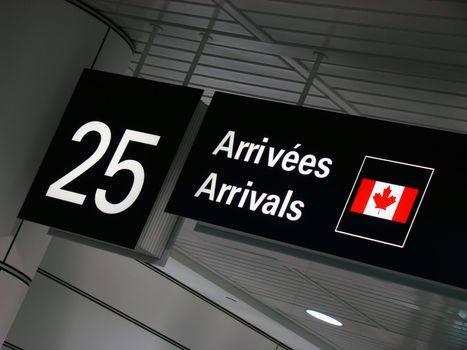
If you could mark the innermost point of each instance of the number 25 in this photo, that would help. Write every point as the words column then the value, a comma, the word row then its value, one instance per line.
column 116, row 164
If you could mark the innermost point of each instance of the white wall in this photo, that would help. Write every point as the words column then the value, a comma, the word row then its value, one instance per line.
column 44, row 46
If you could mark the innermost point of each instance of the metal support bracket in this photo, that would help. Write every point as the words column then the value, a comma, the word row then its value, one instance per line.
column 311, row 76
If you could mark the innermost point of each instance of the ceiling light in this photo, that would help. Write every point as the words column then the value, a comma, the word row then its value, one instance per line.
column 323, row 317
column 463, row 314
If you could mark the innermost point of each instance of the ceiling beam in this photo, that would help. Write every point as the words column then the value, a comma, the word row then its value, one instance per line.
column 296, row 65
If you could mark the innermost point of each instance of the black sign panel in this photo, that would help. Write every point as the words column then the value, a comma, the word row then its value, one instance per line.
column 109, row 157
column 382, row 193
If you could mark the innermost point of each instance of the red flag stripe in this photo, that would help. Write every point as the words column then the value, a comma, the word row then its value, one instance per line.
column 363, row 195
column 405, row 205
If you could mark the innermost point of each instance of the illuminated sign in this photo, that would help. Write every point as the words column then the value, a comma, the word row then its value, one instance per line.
column 368, row 190
column 109, row 157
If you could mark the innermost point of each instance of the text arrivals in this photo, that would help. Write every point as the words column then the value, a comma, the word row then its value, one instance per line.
column 249, row 198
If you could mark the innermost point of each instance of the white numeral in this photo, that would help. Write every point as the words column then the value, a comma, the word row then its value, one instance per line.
column 56, row 190
column 135, row 167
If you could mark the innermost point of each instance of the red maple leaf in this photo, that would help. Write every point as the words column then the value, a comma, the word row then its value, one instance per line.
column 384, row 200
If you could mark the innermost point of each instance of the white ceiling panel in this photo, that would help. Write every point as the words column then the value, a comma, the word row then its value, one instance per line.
column 377, row 313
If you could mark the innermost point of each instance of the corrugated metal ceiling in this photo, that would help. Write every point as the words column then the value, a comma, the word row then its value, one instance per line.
column 404, row 61
column 378, row 311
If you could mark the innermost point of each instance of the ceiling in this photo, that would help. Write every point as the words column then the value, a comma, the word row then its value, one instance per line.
column 379, row 310
column 403, row 61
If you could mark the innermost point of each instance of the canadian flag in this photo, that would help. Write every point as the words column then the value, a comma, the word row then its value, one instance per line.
column 384, row 200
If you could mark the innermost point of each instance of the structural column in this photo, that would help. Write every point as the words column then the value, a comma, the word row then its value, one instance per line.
column 44, row 47
column 19, row 261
